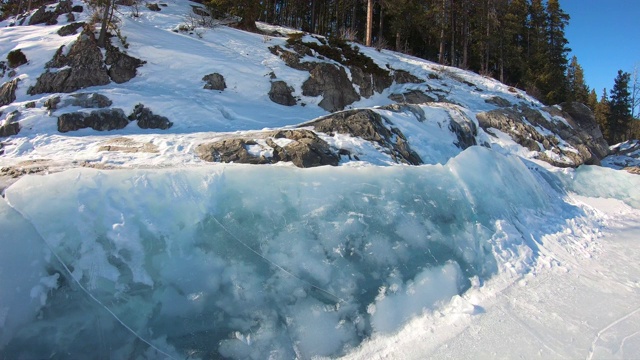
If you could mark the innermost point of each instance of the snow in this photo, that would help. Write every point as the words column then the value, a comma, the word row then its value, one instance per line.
column 480, row 253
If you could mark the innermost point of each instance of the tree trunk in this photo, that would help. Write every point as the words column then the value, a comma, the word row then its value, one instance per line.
column 452, row 55
column 369, row 22
column 102, row 39
column 442, row 34
column 381, row 24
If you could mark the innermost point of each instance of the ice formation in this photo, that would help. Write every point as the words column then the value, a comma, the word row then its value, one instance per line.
column 244, row 261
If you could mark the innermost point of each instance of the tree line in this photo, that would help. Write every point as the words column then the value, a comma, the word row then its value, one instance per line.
column 519, row 42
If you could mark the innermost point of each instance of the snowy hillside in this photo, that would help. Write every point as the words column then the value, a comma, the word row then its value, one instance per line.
column 442, row 229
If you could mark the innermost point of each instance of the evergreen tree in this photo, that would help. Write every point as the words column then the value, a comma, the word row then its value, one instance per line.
column 620, row 108
column 602, row 111
column 592, row 100
column 555, row 85
column 578, row 89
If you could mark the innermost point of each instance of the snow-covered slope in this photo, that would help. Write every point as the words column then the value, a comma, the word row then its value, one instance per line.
column 132, row 246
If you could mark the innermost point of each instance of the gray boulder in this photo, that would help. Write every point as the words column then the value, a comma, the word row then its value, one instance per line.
column 306, row 150
column 122, row 67
column 88, row 100
column 9, row 129
column 230, row 151
column 333, row 84
column 101, row 120
column 280, row 93
column 8, row 92
column 148, row 120
column 214, row 81
column 84, row 68
column 10, row 125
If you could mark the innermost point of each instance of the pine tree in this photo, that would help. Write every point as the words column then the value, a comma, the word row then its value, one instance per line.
column 602, row 111
column 620, row 115
column 592, row 100
column 578, row 89
column 555, row 85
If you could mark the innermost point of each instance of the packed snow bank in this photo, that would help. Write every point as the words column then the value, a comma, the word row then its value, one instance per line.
column 244, row 261
column 601, row 182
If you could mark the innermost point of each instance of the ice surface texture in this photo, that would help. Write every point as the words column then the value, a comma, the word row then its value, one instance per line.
column 249, row 262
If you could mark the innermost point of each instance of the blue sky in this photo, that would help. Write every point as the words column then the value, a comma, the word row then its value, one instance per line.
column 605, row 36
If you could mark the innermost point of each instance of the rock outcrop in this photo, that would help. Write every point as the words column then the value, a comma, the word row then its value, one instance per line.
column 148, row 120
column 333, row 84
column 281, row 93
column 81, row 68
column 368, row 125
column 8, row 92
column 101, row 120
column 301, row 147
column 214, row 81
column 520, row 123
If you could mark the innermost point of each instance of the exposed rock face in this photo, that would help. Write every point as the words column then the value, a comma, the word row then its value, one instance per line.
column 147, row 120
column 368, row 125
column 85, row 68
column 520, row 124
column 304, row 149
column 333, row 84
column 405, row 77
column 293, row 59
column 280, row 93
column 510, row 122
column 214, row 81
column 42, row 16
column 498, row 101
column 8, row 92
column 70, row 29
column 585, row 120
column 368, row 82
column 122, row 66
column 101, row 120
column 412, row 97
